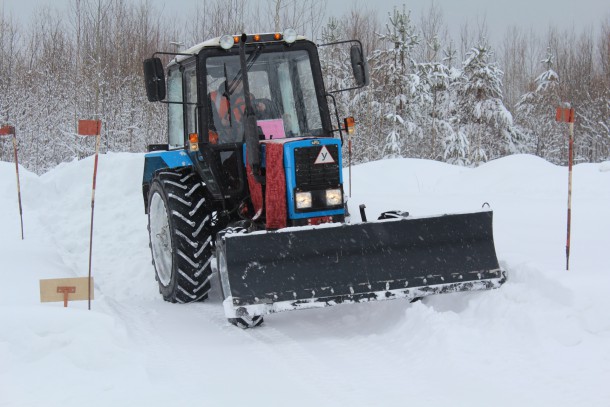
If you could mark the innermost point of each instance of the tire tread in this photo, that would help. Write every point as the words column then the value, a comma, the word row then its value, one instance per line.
column 190, row 216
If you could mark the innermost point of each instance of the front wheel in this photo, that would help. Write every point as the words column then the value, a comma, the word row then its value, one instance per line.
column 181, row 230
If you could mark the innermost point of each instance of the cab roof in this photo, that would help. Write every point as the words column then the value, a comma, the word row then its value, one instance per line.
column 211, row 43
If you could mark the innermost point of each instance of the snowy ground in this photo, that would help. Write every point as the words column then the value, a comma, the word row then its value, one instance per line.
column 543, row 339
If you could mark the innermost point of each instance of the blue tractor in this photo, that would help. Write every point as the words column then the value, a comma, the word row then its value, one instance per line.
column 250, row 188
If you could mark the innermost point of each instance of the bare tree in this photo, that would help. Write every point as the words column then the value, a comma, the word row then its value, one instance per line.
column 433, row 34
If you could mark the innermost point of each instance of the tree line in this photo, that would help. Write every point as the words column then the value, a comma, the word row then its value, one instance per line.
column 459, row 100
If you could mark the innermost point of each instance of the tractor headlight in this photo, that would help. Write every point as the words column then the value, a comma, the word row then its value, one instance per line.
column 303, row 200
column 334, row 197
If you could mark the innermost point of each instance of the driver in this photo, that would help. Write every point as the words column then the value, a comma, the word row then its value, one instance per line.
column 228, row 112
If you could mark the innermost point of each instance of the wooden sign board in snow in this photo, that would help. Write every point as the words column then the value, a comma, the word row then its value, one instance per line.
column 65, row 289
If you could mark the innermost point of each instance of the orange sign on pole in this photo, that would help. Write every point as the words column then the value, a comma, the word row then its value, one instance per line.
column 89, row 127
column 7, row 131
column 565, row 115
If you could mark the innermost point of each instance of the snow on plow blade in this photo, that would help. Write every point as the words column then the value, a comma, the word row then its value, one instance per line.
column 265, row 272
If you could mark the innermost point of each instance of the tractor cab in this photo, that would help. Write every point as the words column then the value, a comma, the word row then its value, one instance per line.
column 282, row 92
column 227, row 94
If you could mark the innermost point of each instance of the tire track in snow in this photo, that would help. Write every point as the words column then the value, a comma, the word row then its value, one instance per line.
column 351, row 341
column 296, row 357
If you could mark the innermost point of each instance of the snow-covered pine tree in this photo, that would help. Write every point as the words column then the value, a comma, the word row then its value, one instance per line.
column 454, row 142
column 484, row 118
column 535, row 113
column 456, row 147
column 434, row 102
column 396, row 82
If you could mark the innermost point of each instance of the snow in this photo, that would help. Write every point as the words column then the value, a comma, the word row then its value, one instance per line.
column 542, row 339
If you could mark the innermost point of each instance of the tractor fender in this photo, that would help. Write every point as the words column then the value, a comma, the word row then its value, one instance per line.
column 159, row 160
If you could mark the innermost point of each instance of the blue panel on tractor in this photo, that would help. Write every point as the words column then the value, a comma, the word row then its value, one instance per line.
column 164, row 159
column 291, row 181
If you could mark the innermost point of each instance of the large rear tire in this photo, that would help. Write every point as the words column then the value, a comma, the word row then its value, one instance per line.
column 181, row 231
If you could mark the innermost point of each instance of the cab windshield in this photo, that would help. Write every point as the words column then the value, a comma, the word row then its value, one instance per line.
column 282, row 93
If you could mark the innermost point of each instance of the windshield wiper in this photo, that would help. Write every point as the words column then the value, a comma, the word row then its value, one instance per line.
column 249, row 62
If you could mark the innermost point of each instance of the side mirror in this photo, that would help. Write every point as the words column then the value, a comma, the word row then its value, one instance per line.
column 154, row 78
column 360, row 67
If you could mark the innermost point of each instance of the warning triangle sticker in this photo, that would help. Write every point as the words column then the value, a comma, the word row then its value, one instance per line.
column 324, row 157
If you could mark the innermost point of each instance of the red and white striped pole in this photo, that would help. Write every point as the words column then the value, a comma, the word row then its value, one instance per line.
column 8, row 131
column 91, row 128
column 566, row 115
column 570, row 161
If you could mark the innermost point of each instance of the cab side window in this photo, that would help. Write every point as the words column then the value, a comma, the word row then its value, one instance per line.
column 190, row 82
column 175, row 112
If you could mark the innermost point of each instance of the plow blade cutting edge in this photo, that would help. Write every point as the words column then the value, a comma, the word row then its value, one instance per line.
column 294, row 268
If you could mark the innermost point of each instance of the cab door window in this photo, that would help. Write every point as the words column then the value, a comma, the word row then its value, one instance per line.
column 190, row 93
column 175, row 112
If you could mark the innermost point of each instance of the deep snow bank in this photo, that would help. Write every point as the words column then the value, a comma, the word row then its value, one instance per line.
column 542, row 339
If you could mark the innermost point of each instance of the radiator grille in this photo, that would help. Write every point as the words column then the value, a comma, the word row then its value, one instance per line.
column 314, row 176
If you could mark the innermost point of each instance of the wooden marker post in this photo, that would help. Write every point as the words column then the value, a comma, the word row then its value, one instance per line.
column 566, row 115
column 91, row 128
column 8, row 131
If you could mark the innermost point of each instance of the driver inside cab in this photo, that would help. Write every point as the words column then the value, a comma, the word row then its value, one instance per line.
column 228, row 107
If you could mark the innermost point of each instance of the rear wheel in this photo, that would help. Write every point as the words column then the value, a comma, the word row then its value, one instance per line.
column 181, row 229
column 244, row 321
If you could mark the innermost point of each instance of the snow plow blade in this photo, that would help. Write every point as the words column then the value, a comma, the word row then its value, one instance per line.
column 294, row 268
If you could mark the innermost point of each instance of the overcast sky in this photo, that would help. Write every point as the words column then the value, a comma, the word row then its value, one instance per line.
column 498, row 14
